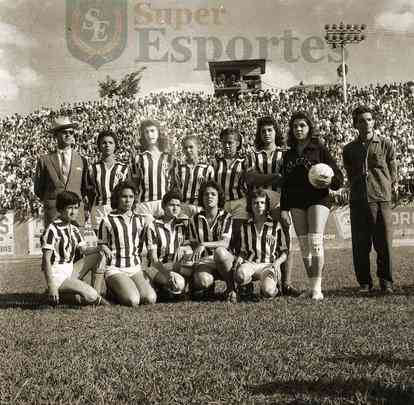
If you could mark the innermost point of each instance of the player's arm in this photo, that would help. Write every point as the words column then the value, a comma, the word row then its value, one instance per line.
column 254, row 178
column 338, row 178
column 392, row 165
column 152, row 246
column 52, row 289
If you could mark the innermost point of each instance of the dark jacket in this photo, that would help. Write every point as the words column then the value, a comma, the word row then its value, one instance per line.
column 295, row 171
column 371, row 169
column 48, row 181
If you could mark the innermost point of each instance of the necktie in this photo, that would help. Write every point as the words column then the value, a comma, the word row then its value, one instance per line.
column 65, row 166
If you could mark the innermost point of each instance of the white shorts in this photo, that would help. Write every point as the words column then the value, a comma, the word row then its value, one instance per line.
column 128, row 271
column 98, row 213
column 237, row 208
column 153, row 208
column 61, row 272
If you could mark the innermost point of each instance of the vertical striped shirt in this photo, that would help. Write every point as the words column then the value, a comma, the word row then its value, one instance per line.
column 264, row 163
column 201, row 231
column 62, row 239
column 166, row 237
column 105, row 179
column 230, row 177
column 153, row 174
column 190, row 178
column 124, row 237
column 265, row 246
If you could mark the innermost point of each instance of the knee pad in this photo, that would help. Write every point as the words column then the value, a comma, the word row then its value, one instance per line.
column 315, row 241
column 304, row 246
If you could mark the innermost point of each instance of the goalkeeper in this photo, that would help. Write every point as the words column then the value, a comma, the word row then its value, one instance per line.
column 263, row 247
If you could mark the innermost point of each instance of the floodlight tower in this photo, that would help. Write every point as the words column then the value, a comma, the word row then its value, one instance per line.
column 340, row 36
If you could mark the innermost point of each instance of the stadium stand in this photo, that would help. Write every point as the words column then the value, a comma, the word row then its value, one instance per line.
column 25, row 137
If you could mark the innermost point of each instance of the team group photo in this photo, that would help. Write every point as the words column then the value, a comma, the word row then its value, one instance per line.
column 193, row 212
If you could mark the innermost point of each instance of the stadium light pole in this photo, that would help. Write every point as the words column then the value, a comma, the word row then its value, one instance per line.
column 340, row 36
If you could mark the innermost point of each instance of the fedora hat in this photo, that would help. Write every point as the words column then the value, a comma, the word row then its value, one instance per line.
column 62, row 122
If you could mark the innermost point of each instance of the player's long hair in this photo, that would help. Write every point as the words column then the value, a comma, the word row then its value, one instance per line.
column 257, row 193
column 163, row 143
column 212, row 184
column 267, row 121
column 313, row 135
column 117, row 191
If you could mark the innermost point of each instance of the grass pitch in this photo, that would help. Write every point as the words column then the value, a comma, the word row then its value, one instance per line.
column 347, row 349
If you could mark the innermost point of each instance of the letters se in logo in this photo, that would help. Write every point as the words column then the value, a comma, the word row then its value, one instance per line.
column 96, row 30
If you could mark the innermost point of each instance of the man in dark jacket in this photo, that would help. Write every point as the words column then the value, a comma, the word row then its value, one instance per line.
column 62, row 170
column 370, row 164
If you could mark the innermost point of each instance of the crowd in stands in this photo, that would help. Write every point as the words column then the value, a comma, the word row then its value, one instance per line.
column 25, row 137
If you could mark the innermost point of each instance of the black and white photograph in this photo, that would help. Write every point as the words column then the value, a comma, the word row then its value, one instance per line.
column 206, row 202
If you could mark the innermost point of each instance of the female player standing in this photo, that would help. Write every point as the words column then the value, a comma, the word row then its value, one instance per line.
column 229, row 173
column 190, row 175
column 105, row 175
column 308, row 205
column 152, row 171
column 122, row 235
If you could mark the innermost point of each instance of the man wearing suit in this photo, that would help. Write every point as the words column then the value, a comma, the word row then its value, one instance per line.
column 62, row 170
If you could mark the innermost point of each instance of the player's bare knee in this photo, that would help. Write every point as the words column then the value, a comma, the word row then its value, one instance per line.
column 220, row 254
column 202, row 280
column 241, row 275
column 150, row 297
column 268, row 288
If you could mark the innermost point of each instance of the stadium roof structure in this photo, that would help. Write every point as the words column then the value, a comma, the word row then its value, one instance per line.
column 234, row 77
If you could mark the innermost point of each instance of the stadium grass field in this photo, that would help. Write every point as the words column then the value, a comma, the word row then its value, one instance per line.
column 347, row 349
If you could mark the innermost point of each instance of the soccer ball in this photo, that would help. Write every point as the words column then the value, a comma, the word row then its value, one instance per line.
column 320, row 171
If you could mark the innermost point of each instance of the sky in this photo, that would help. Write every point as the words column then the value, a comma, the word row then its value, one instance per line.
column 37, row 68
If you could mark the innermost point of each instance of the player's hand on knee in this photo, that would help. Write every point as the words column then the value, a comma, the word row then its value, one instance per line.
column 198, row 251
column 107, row 252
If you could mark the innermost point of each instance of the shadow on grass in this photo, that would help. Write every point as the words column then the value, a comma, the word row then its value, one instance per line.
column 338, row 388
column 31, row 301
column 352, row 292
column 387, row 359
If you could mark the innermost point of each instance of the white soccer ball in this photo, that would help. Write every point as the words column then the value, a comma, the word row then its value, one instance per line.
column 320, row 171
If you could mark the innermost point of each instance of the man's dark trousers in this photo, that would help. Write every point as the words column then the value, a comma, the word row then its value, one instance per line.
column 371, row 225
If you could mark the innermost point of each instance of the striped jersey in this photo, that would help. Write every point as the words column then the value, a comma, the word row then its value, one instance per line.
column 264, row 163
column 62, row 239
column 230, row 177
column 125, row 237
column 190, row 178
column 201, row 231
column 167, row 237
column 153, row 175
column 105, row 179
column 263, row 247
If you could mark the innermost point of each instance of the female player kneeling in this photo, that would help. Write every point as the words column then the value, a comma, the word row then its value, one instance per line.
column 263, row 247
column 60, row 241
column 122, row 235
column 168, row 241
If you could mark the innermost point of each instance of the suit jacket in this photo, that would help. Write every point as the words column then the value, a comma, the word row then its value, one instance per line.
column 49, row 182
